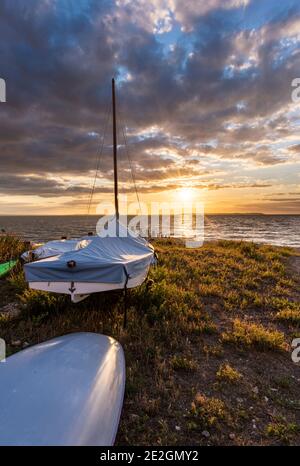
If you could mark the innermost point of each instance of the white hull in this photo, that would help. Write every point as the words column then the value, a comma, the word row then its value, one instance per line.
column 66, row 392
column 81, row 290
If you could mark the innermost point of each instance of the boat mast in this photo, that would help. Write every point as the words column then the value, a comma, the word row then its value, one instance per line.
column 115, row 150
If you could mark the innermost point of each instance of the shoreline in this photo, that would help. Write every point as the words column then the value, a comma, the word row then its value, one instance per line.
column 258, row 214
column 267, row 229
column 181, row 239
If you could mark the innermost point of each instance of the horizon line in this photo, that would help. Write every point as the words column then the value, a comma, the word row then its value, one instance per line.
column 133, row 215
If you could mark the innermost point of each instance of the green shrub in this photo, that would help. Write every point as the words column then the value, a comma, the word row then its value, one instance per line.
column 248, row 334
column 40, row 302
column 282, row 431
column 11, row 247
column 182, row 363
column 226, row 373
column 208, row 411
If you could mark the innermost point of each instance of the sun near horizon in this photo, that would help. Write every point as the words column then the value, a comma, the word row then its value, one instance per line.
column 206, row 97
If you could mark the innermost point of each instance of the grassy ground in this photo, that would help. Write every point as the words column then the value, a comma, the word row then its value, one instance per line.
column 207, row 345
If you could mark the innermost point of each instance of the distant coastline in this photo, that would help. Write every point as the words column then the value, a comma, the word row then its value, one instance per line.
column 262, row 214
column 277, row 230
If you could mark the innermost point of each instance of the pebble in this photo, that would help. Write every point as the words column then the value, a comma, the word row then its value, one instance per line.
column 266, row 399
column 178, row 428
column 232, row 436
column 206, row 434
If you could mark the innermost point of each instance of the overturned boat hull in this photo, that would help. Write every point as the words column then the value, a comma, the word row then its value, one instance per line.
column 65, row 391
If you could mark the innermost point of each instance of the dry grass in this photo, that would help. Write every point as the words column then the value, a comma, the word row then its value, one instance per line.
column 182, row 363
column 247, row 334
column 226, row 373
column 288, row 312
column 204, row 317
column 282, row 430
column 289, row 315
column 10, row 247
column 208, row 411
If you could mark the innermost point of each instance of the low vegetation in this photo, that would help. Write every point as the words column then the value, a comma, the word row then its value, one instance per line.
column 282, row 430
column 180, row 363
column 207, row 342
column 10, row 247
column 289, row 315
column 247, row 334
column 288, row 312
column 226, row 373
column 208, row 412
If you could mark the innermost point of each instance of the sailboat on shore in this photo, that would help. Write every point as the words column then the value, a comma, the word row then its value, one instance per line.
column 92, row 264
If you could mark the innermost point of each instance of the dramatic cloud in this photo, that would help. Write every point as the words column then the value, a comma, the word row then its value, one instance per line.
column 204, row 91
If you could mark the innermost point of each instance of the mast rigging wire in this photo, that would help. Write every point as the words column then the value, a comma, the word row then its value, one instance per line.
column 108, row 113
column 123, row 128
column 130, row 163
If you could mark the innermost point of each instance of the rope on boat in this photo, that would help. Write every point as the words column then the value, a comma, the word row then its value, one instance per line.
column 99, row 156
column 130, row 164
column 125, row 297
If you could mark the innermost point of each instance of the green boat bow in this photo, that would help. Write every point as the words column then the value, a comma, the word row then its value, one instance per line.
column 7, row 266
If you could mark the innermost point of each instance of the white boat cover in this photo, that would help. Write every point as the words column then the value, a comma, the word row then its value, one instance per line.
column 52, row 248
column 65, row 391
column 102, row 259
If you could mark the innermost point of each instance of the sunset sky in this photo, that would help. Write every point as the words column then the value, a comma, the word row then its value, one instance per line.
column 204, row 92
